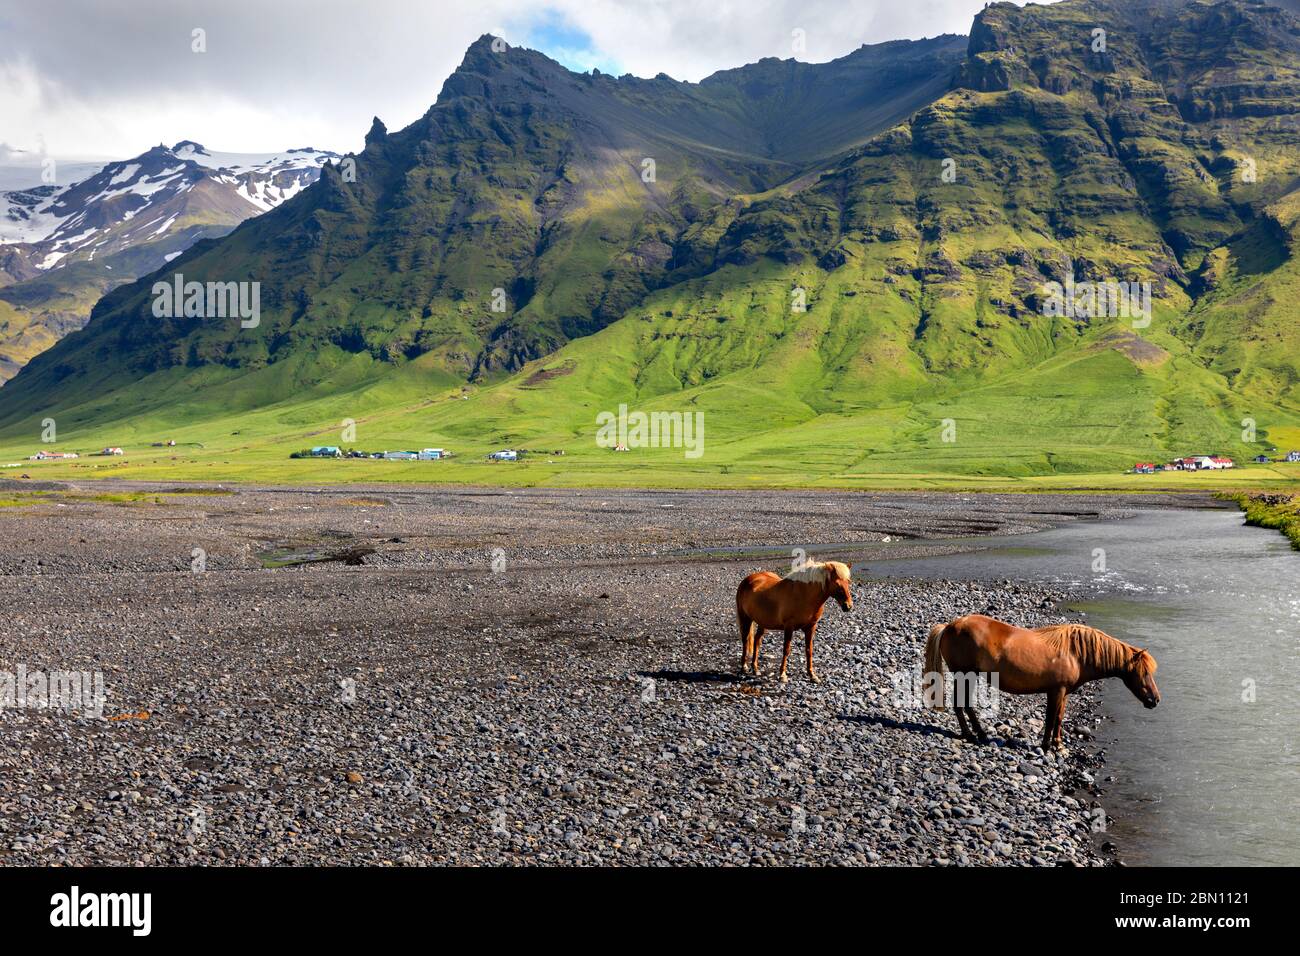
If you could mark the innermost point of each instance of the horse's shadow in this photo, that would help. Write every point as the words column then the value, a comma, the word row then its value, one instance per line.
column 880, row 720
column 692, row 677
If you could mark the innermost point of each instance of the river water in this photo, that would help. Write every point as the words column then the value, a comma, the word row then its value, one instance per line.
column 1211, row 776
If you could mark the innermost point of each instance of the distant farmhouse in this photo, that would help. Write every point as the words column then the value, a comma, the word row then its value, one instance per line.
column 1192, row 463
column 112, row 450
column 53, row 455
column 334, row 451
column 1293, row 456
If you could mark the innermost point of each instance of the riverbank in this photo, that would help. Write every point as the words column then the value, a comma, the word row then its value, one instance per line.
column 1279, row 512
column 509, row 677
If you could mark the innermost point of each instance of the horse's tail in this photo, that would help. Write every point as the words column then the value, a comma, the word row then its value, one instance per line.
column 932, row 679
column 746, row 624
column 743, row 619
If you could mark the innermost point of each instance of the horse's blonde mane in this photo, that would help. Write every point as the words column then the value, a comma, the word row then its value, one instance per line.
column 817, row 572
column 1095, row 647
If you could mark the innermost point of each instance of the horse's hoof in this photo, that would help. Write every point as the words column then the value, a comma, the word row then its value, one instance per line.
column 814, row 678
column 784, row 679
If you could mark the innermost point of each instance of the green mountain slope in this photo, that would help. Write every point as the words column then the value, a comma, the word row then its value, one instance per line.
column 524, row 178
column 925, row 295
column 920, row 223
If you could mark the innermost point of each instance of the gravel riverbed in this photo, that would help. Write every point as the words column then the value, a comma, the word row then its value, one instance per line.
column 526, row 677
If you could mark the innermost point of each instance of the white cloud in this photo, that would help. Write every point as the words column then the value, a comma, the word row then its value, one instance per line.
column 115, row 79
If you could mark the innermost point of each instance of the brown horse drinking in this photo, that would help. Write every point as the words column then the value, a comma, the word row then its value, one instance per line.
column 1051, row 660
column 792, row 603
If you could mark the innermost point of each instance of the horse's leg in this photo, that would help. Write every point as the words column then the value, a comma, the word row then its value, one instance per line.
column 785, row 657
column 1060, row 716
column 961, row 722
column 975, row 722
column 1055, row 704
column 757, row 644
column 809, row 634
column 746, row 637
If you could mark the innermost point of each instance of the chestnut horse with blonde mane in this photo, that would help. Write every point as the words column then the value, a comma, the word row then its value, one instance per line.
column 1048, row 660
column 766, row 601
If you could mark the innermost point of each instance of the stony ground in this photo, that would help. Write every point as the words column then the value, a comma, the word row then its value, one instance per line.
column 505, row 677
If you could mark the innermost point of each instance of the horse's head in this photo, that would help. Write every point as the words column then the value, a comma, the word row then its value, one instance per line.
column 1140, row 678
column 840, row 585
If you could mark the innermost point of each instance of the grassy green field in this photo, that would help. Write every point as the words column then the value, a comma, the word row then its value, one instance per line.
column 1000, row 442
column 252, row 464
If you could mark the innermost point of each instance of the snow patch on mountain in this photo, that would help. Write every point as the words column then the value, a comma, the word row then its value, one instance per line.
column 49, row 223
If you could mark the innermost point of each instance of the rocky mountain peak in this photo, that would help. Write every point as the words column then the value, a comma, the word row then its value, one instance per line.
column 378, row 132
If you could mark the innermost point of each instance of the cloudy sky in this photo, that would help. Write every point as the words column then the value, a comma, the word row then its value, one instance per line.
column 93, row 78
